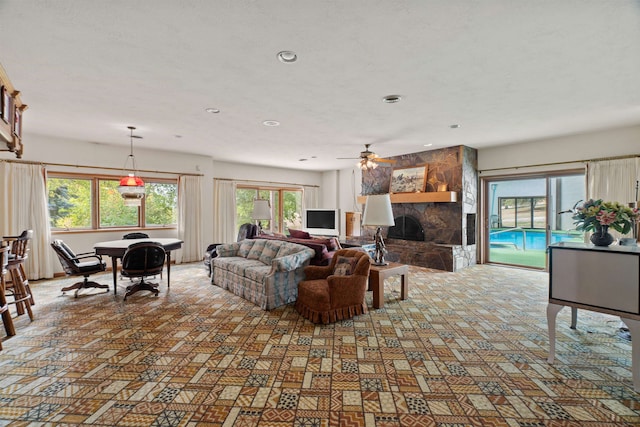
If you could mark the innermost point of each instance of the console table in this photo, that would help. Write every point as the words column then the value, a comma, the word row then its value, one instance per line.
column 602, row 279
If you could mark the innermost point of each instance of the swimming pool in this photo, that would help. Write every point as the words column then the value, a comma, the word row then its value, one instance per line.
column 535, row 239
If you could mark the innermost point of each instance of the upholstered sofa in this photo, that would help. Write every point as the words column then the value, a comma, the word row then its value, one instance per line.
column 323, row 247
column 264, row 272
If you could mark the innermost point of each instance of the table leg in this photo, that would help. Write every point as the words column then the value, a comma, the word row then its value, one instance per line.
column 552, row 313
column 404, row 286
column 634, row 329
column 574, row 317
column 376, row 284
column 114, row 267
column 168, row 267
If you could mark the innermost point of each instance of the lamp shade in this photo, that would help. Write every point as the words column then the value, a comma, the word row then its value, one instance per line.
column 261, row 209
column 377, row 211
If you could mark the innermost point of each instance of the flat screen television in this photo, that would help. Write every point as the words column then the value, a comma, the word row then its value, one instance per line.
column 324, row 222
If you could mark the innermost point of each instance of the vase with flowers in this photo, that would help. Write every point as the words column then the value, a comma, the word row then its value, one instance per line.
column 598, row 216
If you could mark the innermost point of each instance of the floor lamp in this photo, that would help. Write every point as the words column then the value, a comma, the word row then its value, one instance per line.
column 378, row 212
column 261, row 210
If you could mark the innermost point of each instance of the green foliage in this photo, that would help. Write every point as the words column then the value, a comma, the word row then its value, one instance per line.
column 69, row 203
column 161, row 203
column 113, row 212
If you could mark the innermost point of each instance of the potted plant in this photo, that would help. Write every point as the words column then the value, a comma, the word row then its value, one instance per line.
column 597, row 216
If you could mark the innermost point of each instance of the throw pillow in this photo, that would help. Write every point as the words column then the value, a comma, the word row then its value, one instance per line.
column 269, row 252
column 345, row 266
column 245, row 247
column 256, row 249
column 299, row 234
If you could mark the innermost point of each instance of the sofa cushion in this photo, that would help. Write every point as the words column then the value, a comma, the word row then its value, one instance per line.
column 256, row 249
column 344, row 266
column 245, row 247
column 269, row 252
column 299, row 234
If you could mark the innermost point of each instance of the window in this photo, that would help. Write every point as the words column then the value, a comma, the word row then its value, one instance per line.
column 286, row 207
column 78, row 202
column 524, row 212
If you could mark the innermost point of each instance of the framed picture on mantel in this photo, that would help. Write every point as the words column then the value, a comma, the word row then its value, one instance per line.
column 409, row 180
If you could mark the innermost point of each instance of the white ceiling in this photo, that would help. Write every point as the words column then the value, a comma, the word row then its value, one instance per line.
column 504, row 70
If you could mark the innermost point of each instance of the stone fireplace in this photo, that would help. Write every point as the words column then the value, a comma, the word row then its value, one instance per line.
column 406, row 228
column 438, row 235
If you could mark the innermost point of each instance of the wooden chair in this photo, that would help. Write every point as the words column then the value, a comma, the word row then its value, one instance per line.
column 18, row 288
column 84, row 264
column 336, row 291
column 143, row 259
column 18, row 254
column 4, row 307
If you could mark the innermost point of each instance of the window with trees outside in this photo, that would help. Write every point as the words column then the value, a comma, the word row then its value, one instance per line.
column 286, row 207
column 80, row 202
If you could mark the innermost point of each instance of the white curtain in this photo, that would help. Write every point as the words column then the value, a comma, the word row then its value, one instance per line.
column 310, row 199
column 613, row 181
column 24, row 206
column 190, row 219
column 224, row 216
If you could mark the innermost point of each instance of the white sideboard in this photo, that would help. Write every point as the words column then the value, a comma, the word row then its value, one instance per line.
column 602, row 279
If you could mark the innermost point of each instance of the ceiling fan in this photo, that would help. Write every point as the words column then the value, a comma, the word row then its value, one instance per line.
column 368, row 159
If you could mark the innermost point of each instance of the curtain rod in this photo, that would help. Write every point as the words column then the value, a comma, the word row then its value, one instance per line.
column 97, row 167
column 628, row 156
column 266, row 182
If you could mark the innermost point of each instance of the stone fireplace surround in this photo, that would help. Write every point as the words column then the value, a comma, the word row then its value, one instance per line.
column 449, row 242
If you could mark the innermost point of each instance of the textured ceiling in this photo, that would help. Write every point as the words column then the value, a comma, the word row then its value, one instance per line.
column 504, row 70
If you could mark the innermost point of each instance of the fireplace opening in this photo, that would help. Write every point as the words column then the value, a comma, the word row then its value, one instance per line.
column 406, row 228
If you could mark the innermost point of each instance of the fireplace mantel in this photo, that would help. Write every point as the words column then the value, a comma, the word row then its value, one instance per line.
column 427, row 197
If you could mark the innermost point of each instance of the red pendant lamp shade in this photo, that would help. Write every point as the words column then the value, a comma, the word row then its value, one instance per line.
column 131, row 181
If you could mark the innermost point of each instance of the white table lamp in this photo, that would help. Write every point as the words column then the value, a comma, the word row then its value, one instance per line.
column 261, row 210
column 378, row 212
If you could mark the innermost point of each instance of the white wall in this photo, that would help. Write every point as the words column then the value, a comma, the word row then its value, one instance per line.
column 48, row 150
column 573, row 148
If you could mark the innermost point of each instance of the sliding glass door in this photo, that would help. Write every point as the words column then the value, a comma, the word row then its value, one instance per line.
column 524, row 215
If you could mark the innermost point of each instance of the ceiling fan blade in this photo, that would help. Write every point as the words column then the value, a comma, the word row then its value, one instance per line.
column 381, row 160
column 347, row 158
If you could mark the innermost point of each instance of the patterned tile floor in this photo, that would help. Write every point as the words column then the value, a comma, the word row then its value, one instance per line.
column 466, row 349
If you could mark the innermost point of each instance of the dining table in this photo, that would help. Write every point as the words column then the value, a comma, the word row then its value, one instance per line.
column 116, row 249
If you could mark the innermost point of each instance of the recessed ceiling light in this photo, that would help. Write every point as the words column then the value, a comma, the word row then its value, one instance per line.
column 271, row 123
column 391, row 99
column 428, row 145
column 287, row 56
column 454, row 126
column 212, row 110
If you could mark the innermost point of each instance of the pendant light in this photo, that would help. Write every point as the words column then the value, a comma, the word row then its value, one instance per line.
column 131, row 186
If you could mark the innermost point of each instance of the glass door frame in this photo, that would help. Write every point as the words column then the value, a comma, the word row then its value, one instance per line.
column 485, row 181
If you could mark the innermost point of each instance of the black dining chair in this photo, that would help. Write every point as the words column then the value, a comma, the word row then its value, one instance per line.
column 84, row 264
column 135, row 235
column 143, row 259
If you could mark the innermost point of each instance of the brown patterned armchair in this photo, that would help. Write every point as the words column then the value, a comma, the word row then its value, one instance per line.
column 336, row 291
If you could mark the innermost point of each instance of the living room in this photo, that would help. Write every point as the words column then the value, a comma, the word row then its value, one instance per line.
column 465, row 348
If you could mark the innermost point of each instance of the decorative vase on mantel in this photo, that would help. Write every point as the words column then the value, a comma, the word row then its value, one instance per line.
column 601, row 236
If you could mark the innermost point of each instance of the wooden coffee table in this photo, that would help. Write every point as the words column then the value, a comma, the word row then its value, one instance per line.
column 378, row 273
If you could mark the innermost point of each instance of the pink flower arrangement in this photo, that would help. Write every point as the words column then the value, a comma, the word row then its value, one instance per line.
column 594, row 214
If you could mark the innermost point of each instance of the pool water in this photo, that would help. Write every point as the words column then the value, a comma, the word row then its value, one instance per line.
column 534, row 239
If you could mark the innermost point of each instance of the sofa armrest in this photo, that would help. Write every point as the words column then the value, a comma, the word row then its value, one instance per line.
column 228, row 249
column 292, row 261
